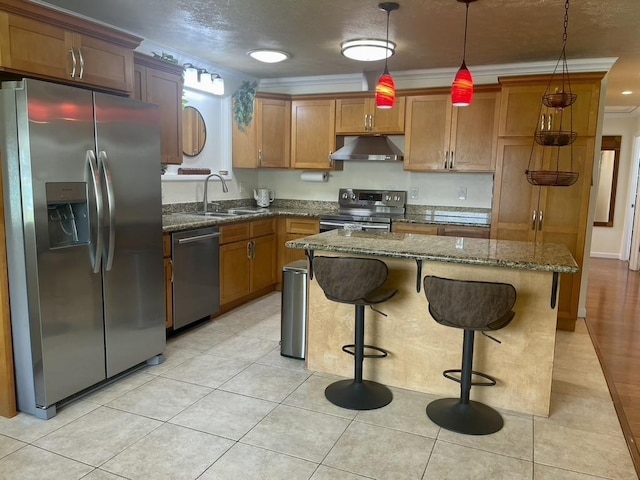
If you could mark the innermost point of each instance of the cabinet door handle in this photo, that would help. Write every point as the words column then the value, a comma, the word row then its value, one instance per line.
column 540, row 217
column 452, row 160
column 171, row 267
column 533, row 222
column 330, row 160
column 260, row 157
column 81, row 76
column 249, row 250
column 371, row 123
column 446, row 159
column 74, row 63
column 366, row 122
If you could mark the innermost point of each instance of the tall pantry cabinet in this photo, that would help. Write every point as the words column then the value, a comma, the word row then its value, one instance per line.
column 526, row 212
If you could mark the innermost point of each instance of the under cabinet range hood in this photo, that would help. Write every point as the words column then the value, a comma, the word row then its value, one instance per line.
column 377, row 148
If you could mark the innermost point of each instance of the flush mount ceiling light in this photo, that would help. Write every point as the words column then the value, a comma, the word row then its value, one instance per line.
column 626, row 92
column 268, row 56
column 462, row 89
column 386, row 88
column 367, row 50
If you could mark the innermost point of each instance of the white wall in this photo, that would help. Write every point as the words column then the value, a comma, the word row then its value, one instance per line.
column 439, row 189
column 610, row 242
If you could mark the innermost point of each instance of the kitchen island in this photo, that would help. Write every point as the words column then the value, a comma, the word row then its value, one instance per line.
column 419, row 348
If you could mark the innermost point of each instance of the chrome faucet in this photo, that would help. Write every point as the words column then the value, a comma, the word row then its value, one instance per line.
column 225, row 189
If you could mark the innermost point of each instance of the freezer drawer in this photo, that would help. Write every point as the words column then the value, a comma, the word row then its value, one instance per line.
column 196, row 275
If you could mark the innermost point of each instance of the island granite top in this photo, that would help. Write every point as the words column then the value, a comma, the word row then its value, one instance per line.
column 497, row 253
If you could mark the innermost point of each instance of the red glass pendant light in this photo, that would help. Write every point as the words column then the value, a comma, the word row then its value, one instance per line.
column 462, row 89
column 386, row 87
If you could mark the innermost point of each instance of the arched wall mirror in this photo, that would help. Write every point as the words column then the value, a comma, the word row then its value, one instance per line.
column 194, row 132
column 606, row 195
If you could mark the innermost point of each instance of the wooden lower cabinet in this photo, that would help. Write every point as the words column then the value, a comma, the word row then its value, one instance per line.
column 422, row 229
column 168, row 279
column 443, row 231
column 291, row 229
column 248, row 256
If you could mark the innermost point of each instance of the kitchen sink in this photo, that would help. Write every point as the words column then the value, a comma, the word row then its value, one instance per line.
column 241, row 211
column 218, row 214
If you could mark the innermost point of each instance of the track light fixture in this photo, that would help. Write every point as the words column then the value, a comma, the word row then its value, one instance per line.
column 201, row 79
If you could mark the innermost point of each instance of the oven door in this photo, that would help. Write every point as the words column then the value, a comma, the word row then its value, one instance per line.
column 326, row 225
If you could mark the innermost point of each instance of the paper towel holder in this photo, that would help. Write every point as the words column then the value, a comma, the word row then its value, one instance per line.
column 314, row 176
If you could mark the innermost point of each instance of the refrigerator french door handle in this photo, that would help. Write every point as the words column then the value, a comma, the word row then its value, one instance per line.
column 93, row 170
column 103, row 161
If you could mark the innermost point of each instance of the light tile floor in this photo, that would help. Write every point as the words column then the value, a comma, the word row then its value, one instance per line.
column 226, row 405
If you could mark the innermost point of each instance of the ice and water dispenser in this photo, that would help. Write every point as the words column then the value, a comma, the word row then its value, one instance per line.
column 68, row 217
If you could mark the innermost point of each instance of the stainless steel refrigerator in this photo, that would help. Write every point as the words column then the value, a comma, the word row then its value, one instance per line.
column 83, row 208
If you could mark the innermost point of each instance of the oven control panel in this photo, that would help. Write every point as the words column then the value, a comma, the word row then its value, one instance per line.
column 351, row 197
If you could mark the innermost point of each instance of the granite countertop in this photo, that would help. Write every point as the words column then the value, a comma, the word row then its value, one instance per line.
column 497, row 253
column 179, row 217
column 179, row 221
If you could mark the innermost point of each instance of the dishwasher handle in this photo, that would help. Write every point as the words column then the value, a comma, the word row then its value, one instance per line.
column 198, row 238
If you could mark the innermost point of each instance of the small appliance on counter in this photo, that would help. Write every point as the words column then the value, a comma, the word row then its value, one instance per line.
column 264, row 197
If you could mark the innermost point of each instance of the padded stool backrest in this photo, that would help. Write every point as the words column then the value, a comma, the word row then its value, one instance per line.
column 349, row 280
column 468, row 304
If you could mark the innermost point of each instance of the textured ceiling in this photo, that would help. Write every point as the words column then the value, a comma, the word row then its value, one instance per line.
column 428, row 33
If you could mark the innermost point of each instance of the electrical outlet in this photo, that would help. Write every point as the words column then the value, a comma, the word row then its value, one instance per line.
column 462, row 193
column 414, row 193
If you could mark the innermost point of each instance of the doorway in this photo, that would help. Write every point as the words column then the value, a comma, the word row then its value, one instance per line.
column 633, row 229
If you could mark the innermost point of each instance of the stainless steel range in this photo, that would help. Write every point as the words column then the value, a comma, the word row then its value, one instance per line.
column 367, row 210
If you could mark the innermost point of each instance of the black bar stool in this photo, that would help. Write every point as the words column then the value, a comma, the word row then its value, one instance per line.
column 472, row 306
column 356, row 281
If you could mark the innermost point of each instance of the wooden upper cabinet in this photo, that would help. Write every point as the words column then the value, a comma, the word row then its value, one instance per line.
column 161, row 83
column 521, row 106
column 427, row 132
column 103, row 64
column 441, row 137
column 266, row 141
column 360, row 116
column 44, row 43
column 313, row 135
column 474, row 134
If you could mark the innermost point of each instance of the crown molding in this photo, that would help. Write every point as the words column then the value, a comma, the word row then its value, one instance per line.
column 435, row 77
column 621, row 112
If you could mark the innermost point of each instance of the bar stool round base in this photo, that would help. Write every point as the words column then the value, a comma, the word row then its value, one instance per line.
column 367, row 395
column 473, row 418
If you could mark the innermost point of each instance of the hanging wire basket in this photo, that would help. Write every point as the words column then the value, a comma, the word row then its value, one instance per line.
column 561, row 100
column 558, row 138
column 551, row 178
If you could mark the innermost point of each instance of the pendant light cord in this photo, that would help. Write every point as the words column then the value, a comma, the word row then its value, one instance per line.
column 464, row 48
column 386, row 45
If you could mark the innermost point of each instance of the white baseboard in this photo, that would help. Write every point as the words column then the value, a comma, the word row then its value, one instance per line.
column 610, row 256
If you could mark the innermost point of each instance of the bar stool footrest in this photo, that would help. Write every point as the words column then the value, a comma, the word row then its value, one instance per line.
column 492, row 381
column 473, row 418
column 351, row 350
column 352, row 395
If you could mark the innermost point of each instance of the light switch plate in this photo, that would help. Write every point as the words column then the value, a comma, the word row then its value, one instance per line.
column 462, row 193
column 414, row 193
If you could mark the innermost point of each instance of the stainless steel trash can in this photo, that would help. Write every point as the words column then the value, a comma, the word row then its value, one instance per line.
column 295, row 294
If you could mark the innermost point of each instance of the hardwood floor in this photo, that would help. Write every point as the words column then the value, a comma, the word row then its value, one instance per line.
column 613, row 320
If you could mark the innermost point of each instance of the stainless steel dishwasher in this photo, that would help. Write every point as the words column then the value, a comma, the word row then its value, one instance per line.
column 196, row 275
